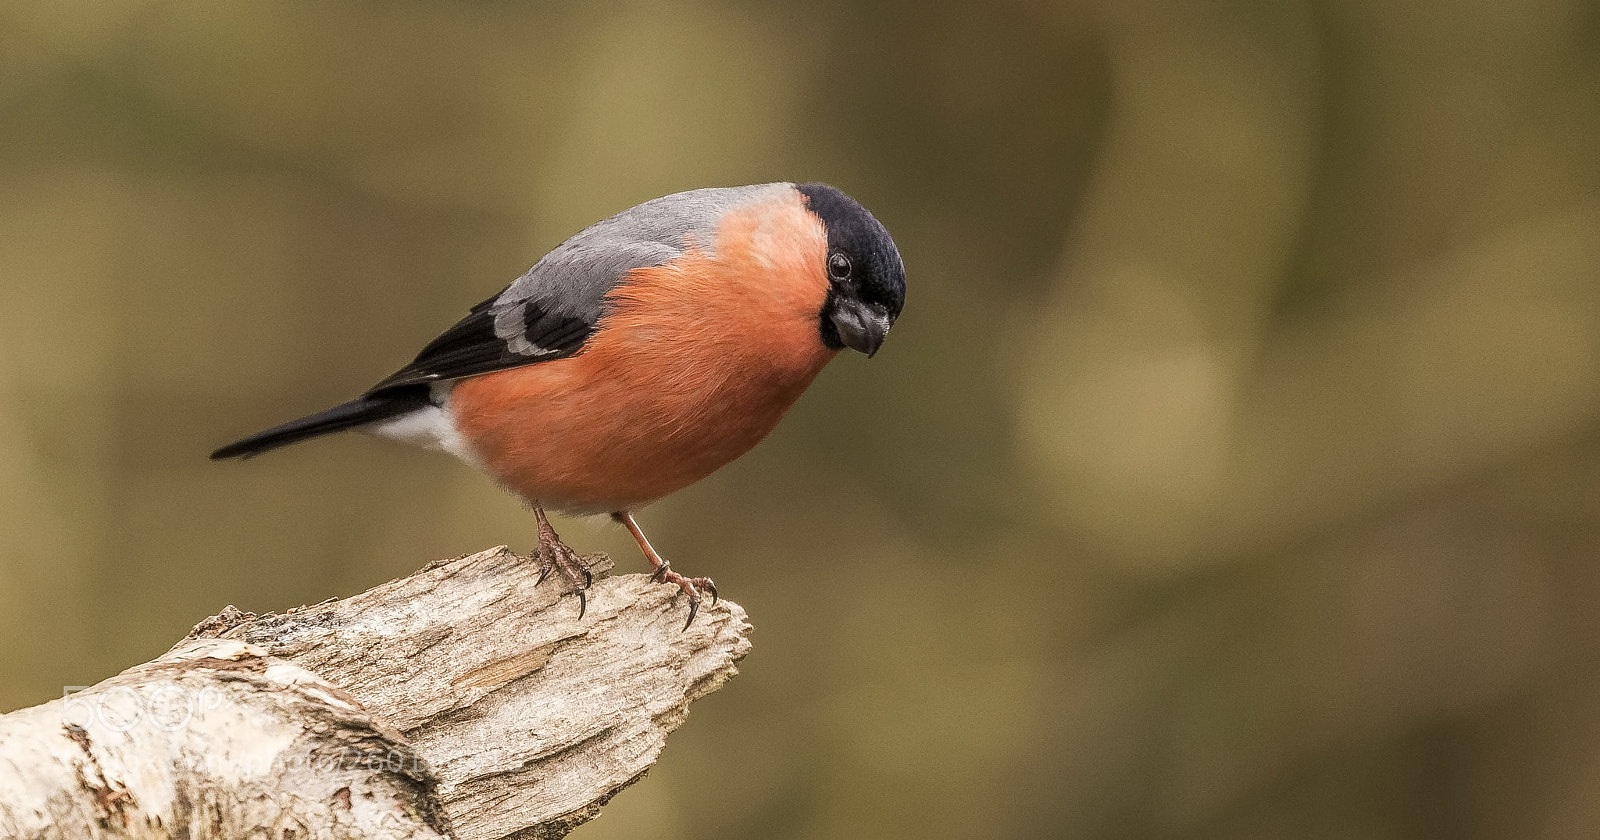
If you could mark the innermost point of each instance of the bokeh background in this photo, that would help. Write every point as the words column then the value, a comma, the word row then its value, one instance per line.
column 1233, row 473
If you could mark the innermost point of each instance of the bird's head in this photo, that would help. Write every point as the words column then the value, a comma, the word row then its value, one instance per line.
column 866, row 280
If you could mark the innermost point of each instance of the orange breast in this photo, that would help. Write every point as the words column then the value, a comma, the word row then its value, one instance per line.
column 693, row 364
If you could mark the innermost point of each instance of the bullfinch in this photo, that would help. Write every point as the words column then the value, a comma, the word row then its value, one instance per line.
column 640, row 355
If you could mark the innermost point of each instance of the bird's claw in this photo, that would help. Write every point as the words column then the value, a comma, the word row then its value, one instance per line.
column 554, row 554
column 690, row 586
column 662, row 571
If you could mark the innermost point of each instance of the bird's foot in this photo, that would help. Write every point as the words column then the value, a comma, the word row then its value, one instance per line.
column 554, row 554
column 663, row 570
column 691, row 586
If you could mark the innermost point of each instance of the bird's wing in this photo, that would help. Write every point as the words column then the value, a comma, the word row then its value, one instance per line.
column 552, row 309
column 545, row 314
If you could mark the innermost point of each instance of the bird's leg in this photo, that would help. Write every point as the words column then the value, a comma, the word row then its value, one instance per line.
column 554, row 554
column 663, row 570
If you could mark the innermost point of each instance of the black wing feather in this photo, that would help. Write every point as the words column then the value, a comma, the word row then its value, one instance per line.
column 472, row 346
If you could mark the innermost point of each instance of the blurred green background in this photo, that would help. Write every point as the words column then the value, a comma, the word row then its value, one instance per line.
column 1233, row 473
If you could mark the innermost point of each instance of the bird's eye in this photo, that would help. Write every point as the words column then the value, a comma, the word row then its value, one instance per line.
column 838, row 266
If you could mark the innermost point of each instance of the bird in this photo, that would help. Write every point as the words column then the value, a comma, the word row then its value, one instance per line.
column 639, row 356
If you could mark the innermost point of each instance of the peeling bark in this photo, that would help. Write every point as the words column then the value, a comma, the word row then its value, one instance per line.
column 461, row 701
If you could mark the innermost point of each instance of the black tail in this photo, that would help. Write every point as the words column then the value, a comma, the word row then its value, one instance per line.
column 391, row 402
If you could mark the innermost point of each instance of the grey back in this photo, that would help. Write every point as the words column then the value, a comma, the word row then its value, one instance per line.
column 572, row 280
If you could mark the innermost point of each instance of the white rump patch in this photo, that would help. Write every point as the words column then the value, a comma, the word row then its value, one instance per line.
column 429, row 427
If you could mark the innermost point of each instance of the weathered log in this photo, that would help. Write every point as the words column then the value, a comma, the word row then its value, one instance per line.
column 461, row 701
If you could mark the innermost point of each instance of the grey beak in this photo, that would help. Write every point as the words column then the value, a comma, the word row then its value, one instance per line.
column 861, row 327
